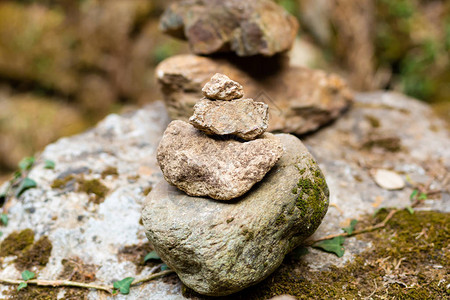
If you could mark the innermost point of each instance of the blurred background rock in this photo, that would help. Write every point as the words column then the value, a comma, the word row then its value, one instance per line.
column 65, row 64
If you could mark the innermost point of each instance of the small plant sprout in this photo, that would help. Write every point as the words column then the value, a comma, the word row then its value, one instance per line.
column 26, row 275
column 49, row 164
column 152, row 256
column 349, row 230
column 27, row 183
column 4, row 219
column 333, row 245
column 123, row 285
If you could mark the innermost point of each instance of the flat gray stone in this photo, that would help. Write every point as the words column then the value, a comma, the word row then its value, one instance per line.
column 218, row 248
column 222, row 169
column 243, row 118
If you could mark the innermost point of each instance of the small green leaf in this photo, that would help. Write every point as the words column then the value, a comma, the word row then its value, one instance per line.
column 27, row 275
column 26, row 163
column 410, row 210
column 152, row 256
column 49, row 164
column 4, row 219
column 349, row 230
column 423, row 196
column 27, row 183
column 298, row 252
column 164, row 267
column 17, row 174
column 22, row 285
column 1, row 233
column 413, row 194
column 333, row 245
column 124, row 285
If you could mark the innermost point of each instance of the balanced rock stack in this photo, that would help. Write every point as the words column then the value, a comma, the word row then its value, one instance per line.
column 215, row 164
column 276, row 194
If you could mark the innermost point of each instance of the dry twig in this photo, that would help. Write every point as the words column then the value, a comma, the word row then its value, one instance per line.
column 68, row 283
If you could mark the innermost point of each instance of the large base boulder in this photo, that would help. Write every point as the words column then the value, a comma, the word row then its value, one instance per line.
column 218, row 248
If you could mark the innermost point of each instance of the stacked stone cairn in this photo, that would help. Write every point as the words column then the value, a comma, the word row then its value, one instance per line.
column 224, row 151
column 235, row 199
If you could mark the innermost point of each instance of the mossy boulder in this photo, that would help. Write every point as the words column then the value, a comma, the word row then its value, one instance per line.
column 219, row 248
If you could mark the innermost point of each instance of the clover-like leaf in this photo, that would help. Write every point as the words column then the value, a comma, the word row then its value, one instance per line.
column 413, row 194
column 27, row 275
column 333, row 245
column 4, row 219
column 349, row 230
column 124, row 285
column 26, row 163
column 27, row 183
column 49, row 164
column 22, row 285
column 423, row 196
column 152, row 256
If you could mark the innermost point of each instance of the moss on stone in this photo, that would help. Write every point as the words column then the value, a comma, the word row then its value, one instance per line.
column 33, row 293
column 16, row 242
column 387, row 143
column 110, row 171
column 409, row 260
column 62, row 183
column 281, row 219
column 249, row 235
column 92, row 187
column 374, row 122
column 229, row 220
column 95, row 187
column 36, row 255
column 147, row 190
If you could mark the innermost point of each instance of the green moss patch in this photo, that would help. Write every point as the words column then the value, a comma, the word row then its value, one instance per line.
column 386, row 143
column 312, row 195
column 36, row 255
column 93, row 187
column 409, row 259
column 110, row 171
column 16, row 242
column 33, row 293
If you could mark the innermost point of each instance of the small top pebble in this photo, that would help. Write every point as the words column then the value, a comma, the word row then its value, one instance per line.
column 221, row 87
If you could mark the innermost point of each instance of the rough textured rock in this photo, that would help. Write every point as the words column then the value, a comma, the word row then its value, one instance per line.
column 243, row 118
column 245, row 27
column 222, row 169
column 218, row 248
column 220, row 87
column 300, row 100
column 96, row 232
